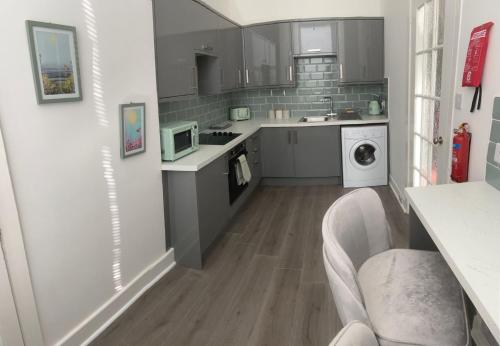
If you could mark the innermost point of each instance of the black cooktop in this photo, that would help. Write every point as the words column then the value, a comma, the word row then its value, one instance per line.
column 218, row 137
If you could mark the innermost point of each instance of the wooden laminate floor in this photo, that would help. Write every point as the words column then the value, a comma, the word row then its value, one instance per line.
column 263, row 283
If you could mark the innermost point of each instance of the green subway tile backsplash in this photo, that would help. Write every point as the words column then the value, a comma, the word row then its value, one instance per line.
column 496, row 109
column 492, row 167
column 493, row 176
column 315, row 79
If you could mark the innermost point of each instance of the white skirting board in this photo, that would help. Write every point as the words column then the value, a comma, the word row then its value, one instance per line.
column 97, row 322
column 400, row 196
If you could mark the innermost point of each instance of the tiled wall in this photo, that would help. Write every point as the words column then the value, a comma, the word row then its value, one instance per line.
column 492, row 167
column 316, row 78
column 206, row 110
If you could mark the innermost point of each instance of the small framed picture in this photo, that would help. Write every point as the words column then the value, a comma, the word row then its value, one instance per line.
column 54, row 60
column 132, row 129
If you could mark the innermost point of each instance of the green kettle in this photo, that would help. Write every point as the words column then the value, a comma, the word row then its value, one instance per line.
column 374, row 108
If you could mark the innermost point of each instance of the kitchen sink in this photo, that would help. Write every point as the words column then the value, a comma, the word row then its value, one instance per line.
column 314, row 119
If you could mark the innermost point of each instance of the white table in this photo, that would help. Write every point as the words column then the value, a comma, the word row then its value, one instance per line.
column 463, row 220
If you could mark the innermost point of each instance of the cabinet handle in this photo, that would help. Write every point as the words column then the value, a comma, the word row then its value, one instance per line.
column 341, row 68
column 239, row 77
column 314, row 50
column 290, row 71
column 195, row 78
column 226, row 173
column 289, row 137
column 247, row 76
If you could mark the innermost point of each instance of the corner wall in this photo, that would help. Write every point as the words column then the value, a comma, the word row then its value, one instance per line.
column 397, row 36
column 475, row 13
column 67, row 173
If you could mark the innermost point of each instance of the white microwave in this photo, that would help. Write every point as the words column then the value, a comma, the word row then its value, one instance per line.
column 178, row 139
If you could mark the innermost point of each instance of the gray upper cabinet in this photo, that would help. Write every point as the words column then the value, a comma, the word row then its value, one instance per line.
column 268, row 55
column 317, row 37
column 301, row 152
column 230, row 48
column 184, row 32
column 317, row 152
column 361, row 50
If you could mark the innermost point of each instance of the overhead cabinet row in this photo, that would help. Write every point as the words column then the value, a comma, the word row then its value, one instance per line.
column 201, row 53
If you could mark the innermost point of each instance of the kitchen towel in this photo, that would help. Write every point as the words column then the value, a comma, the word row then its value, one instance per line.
column 239, row 174
column 245, row 170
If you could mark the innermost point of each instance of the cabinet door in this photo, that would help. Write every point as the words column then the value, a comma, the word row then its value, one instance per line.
column 361, row 50
column 231, row 55
column 254, row 156
column 277, row 153
column 317, row 152
column 315, row 38
column 213, row 200
column 182, row 29
column 268, row 55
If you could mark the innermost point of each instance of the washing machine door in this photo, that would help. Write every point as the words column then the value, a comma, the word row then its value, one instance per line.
column 365, row 154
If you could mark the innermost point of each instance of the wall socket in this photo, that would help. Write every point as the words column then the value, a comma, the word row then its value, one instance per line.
column 497, row 153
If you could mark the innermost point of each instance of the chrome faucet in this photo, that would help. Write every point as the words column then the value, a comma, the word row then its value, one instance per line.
column 329, row 99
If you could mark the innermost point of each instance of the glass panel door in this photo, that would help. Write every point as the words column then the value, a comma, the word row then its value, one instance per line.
column 428, row 70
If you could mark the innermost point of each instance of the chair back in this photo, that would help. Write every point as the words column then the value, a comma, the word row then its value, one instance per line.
column 354, row 229
column 355, row 334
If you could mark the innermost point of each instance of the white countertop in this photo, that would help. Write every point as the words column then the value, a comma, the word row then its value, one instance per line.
column 208, row 153
column 463, row 220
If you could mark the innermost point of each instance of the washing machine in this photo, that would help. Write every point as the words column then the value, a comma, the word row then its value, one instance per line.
column 364, row 155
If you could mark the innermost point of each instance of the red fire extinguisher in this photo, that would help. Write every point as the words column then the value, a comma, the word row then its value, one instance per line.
column 460, row 154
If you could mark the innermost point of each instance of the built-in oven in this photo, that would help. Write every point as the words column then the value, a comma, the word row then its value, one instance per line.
column 236, row 188
column 178, row 139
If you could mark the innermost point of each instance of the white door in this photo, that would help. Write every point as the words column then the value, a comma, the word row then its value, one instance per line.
column 433, row 60
column 10, row 331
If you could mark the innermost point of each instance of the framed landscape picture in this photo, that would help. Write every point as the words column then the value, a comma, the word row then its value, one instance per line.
column 54, row 60
column 132, row 129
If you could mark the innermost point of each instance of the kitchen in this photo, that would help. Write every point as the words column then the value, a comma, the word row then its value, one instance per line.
column 249, row 173
column 291, row 85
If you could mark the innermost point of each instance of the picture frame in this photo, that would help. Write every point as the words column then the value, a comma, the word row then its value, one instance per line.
column 132, row 129
column 54, row 62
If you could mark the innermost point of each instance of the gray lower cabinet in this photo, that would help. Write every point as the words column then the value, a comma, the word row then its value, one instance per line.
column 198, row 209
column 277, row 154
column 317, row 37
column 301, row 152
column 268, row 55
column 361, row 50
column 198, row 204
column 317, row 152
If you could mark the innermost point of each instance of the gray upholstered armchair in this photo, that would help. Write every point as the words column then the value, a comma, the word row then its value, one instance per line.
column 408, row 297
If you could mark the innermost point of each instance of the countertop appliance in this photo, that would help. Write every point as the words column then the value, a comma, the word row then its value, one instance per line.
column 217, row 137
column 364, row 155
column 178, row 139
column 235, row 190
column 374, row 107
column 239, row 113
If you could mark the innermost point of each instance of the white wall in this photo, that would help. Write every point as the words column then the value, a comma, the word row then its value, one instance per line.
column 397, row 31
column 255, row 11
column 56, row 155
column 474, row 13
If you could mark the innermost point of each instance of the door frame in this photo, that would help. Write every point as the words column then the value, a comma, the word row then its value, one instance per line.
column 10, row 329
column 15, row 256
column 449, row 73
